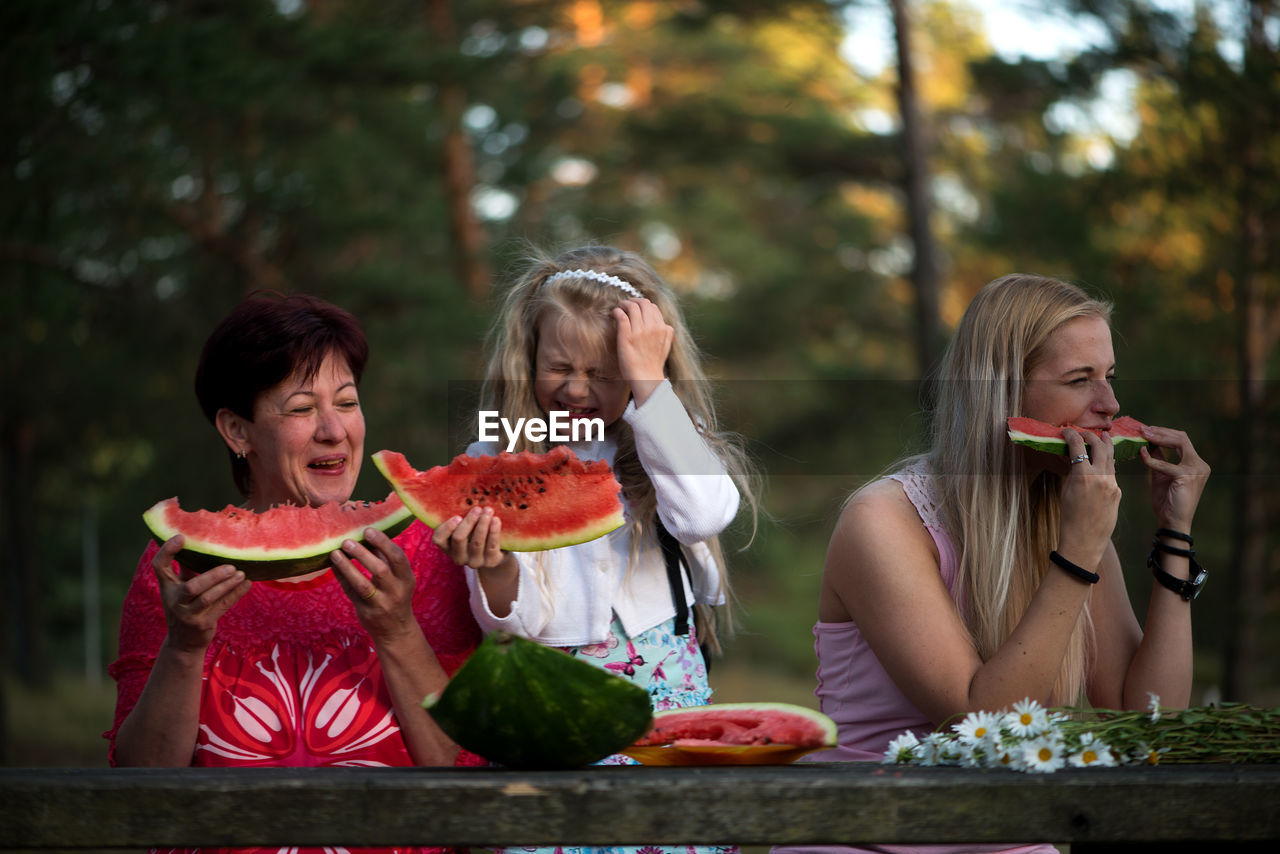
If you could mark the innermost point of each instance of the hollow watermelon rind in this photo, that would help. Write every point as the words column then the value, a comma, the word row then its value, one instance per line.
column 524, row 705
column 734, row 734
column 282, row 542
column 545, row 501
column 1126, row 436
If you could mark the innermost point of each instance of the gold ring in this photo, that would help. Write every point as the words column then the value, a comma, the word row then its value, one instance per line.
column 372, row 592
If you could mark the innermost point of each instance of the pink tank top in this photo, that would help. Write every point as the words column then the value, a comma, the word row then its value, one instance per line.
column 858, row 694
column 853, row 689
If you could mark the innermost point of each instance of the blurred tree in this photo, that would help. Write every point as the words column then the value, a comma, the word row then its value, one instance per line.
column 1191, row 219
column 160, row 160
column 915, row 155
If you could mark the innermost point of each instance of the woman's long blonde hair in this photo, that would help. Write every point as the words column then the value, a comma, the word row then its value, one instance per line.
column 1004, row 522
column 508, row 383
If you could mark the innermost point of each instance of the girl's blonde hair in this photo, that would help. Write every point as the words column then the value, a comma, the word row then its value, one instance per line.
column 587, row 303
column 1004, row 522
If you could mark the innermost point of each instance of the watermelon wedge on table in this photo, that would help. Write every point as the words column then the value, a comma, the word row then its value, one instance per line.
column 284, row 541
column 733, row 734
column 1126, row 436
column 545, row 501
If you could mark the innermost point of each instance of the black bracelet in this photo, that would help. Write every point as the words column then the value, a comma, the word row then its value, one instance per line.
column 1078, row 571
column 1188, row 589
column 1173, row 550
column 1176, row 535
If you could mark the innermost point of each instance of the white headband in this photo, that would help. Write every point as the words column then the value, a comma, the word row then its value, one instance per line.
column 603, row 278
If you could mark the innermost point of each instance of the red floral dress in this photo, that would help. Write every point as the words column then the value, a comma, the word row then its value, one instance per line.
column 291, row 677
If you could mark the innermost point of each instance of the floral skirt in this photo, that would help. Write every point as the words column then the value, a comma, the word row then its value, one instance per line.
column 671, row 668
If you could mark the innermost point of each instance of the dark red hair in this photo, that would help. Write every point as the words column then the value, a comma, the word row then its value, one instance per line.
column 265, row 340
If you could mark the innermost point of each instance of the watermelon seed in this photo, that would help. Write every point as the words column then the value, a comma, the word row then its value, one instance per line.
column 524, row 506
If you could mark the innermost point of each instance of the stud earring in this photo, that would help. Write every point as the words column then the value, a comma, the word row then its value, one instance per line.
column 242, row 454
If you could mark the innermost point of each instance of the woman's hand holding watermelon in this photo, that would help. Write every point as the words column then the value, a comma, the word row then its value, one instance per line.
column 193, row 602
column 1090, row 498
column 383, row 598
column 1176, row 486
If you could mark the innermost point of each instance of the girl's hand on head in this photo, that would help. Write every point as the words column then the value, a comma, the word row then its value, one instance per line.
column 383, row 599
column 193, row 602
column 644, row 343
column 1176, row 487
column 474, row 540
column 1090, row 498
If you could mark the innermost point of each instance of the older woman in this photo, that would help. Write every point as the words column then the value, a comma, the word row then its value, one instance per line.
column 323, row 669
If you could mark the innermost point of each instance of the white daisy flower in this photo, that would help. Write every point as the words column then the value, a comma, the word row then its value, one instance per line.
column 1092, row 752
column 901, row 749
column 1006, row 756
column 930, row 751
column 1153, row 705
column 1041, row 754
column 1028, row 718
column 1144, row 753
column 978, row 728
column 997, row 754
column 964, row 753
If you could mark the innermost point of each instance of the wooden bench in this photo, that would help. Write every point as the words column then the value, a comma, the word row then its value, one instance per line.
column 1186, row 806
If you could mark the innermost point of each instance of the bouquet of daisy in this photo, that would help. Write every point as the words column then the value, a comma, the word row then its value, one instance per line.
column 1033, row 738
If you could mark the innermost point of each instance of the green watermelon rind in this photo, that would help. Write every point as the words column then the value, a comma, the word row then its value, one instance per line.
column 826, row 724
column 582, row 531
column 526, row 706
column 1126, row 446
column 266, row 563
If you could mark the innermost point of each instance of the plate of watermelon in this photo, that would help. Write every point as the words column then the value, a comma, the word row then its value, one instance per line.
column 733, row 734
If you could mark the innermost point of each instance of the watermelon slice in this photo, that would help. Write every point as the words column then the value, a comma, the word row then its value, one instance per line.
column 278, row 543
column 734, row 734
column 1126, row 436
column 545, row 501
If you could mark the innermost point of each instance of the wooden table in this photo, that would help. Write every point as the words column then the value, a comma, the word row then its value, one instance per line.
column 818, row 803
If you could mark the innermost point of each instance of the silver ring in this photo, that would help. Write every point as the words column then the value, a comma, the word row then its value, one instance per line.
column 1083, row 458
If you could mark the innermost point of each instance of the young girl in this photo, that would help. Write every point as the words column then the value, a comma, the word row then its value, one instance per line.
column 595, row 333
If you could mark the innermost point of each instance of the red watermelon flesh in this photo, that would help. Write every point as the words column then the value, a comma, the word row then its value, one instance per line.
column 281, row 542
column 734, row 734
column 741, row 723
column 1126, row 435
column 545, row 501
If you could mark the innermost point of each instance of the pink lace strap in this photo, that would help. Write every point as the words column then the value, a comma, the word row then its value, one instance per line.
column 918, row 486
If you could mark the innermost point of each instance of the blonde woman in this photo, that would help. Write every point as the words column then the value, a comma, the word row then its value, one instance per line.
column 595, row 333
column 982, row 573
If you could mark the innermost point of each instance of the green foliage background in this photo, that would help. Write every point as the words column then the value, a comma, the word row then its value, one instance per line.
column 161, row 159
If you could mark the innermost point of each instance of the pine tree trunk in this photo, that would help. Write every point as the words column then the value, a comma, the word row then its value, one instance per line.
column 469, row 241
column 1248, row 565
column 916, row 185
